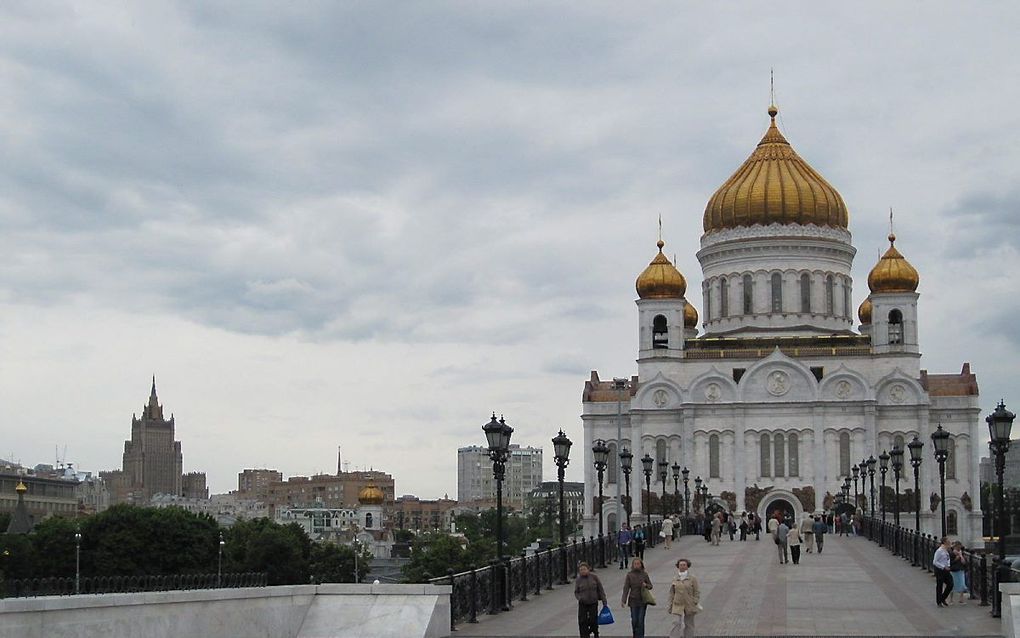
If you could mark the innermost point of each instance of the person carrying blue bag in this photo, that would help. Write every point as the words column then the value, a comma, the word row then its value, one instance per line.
column 588, row 591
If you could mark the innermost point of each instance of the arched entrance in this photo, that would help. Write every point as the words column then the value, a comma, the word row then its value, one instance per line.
column 780, row 505
column 780, row 501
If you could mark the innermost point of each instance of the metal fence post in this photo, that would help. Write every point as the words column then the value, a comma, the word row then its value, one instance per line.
column 473, row 597
column 524, row 575
column 549, row 567
column 984, row 580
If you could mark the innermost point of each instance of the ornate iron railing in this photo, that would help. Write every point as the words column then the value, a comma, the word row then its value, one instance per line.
column 981, row 574
column 67, row 586
column 494, row 588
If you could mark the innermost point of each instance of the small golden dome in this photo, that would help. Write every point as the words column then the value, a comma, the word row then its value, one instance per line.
column 661, row 279
column 893, row 273
column 775, row 186
column 371, row 495
column 864, row 312
column 21, row 488
column 690, row 316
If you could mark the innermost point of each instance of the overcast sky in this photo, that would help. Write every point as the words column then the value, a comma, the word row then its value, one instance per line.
column 370, row 225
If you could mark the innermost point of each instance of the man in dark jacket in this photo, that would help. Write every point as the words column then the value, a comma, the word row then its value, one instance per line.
column 588, row 591
column 819, row 528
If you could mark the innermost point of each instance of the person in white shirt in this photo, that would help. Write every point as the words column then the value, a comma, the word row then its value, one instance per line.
column 943, row 577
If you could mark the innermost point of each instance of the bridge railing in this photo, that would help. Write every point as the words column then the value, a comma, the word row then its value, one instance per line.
column 919, row 548
column 494, row 588
column 69, row 586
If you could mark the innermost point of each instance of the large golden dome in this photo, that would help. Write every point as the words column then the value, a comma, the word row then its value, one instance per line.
column 864, row 312
column 661, row 279
column 371, row 495
column 893, row 273
column 775, row 186
column 690, row 316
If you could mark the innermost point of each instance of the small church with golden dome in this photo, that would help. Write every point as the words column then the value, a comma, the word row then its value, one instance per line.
column 779, row 388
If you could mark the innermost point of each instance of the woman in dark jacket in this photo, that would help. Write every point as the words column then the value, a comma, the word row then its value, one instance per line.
column 634, row 585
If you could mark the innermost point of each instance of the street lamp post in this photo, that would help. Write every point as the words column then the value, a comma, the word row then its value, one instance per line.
column 1000, row 422
column 77, row 560
column 871, row 478
column 620, row 385
column 697, row 491
column 663, row 475
column 687, row 492
column 883, row 466
column 497, row 435
column 676, row 488
column 600, row 452
column 561, row 451
column 915, row 447
column 857, row 500
column 648, row 464
column 219, row 562
column 897, row 468
column 940, row 440
column 627, row 464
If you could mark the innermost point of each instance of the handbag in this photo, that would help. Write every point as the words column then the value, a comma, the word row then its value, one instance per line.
column 647, row 597
column 606, row 616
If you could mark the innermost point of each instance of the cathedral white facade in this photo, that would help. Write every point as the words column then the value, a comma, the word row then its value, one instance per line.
column 781, row 392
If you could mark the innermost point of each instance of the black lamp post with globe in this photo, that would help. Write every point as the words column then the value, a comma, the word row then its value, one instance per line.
column 897, row 468
column 561, row 450
column 663, row 475
column 648, row 466
column 627, row 464
column 871, row 463
column 600, row 453
column 940, row 440
column 497, row 435
column 1000, row 422
column 915, row 447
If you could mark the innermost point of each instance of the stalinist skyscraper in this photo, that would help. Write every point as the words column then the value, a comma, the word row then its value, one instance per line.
column 152, row 458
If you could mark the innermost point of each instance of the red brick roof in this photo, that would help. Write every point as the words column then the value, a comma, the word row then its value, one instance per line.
column 950, row 385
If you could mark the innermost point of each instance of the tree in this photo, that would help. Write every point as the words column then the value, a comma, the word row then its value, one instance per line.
column 333, row 563
column 432, row 554
column 53, row 541
column 262, row 545
column 17, row 557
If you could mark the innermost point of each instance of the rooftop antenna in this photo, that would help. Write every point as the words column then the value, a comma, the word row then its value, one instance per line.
column 660, row 226
column 772, row 86
column 890, row 221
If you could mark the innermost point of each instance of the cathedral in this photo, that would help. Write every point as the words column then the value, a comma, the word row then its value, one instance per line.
column 774, row 393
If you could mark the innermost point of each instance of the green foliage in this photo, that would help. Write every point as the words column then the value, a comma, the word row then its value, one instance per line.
column 127, row 540
column 332, row 563
column 434, row 553
column 5, row 520
column 53, row 540
column 482, row 527
column 17, row 556
column 262, row 545
column 403, row 536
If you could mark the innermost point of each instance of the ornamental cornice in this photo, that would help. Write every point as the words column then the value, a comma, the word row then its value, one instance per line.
column 773, row 231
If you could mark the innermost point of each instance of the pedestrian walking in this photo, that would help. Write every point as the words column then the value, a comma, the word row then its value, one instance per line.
column 757, row 527
column 958, row 570
column 943, row 577
column 588, row 591
column 717, row 523
column 635, row 585
column 807, row 532
column 782, row 531
column 667, row 531
column 684, row 600
column 830, row 522
column 731, row 525
column 639, row 542
column 820, row 529
column 744, row 526
column 793, row 542
column 625, row 539
column 844, row 524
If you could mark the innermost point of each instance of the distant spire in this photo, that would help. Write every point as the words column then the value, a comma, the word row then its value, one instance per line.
column 152, row 395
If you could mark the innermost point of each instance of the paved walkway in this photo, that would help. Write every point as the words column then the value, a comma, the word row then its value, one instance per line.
column 854, row 588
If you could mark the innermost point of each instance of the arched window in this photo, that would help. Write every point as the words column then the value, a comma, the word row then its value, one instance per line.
column 661, row 453
column 724, row 297
column 368, row 520
column 708, row 302
column 895, row 326
column 846, row 299
column 766, row 455
column 613, row 464
column 777, row 292
column 951, row 460
column 748, row 294
column 793, row 458
column 713, row 456
column 660, row 332
column 830, row 296
column 779, row 445
column 898, row 442
column 844, row 454
column 805, row 293
column 952, row 523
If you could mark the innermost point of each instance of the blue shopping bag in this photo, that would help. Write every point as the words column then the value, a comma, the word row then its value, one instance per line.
column 606, row 616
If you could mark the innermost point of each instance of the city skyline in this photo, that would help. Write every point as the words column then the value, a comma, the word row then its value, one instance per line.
column 319, row 226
